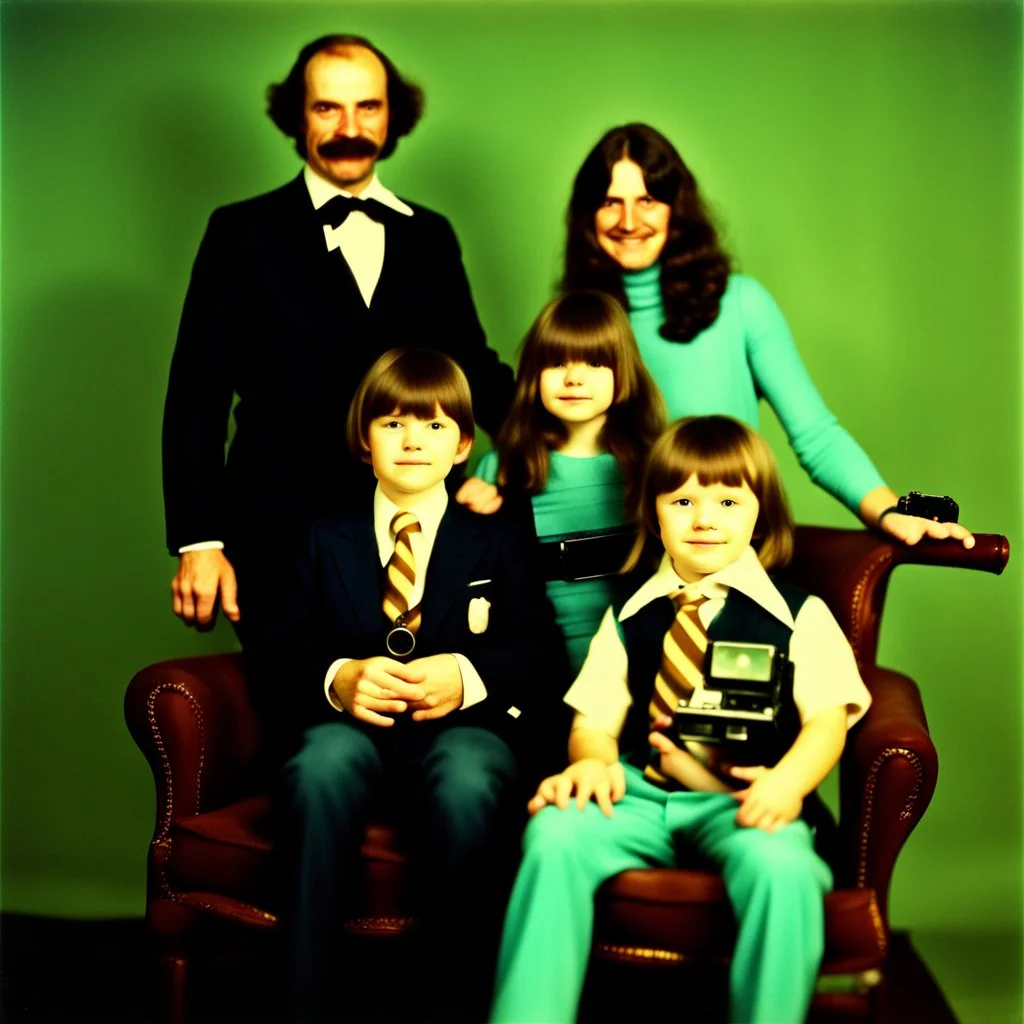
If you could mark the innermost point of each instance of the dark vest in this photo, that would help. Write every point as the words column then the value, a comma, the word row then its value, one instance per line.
column 741, row 620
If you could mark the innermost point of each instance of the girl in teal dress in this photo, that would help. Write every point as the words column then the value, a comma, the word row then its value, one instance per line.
column 584, row 415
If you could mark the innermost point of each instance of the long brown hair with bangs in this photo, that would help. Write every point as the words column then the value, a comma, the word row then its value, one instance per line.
column 718, row 449
column 694, row 266
column 409, row 382
column 584, row 326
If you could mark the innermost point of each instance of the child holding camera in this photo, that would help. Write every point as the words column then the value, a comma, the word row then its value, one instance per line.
column 629, row 793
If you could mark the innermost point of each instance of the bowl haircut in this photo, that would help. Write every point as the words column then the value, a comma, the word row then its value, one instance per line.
column 409, row 382
column 719, row 450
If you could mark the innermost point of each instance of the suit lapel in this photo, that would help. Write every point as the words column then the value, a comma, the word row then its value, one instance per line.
column 322, row 277
column 457, row 550
column 394, row 272
column 357, row 565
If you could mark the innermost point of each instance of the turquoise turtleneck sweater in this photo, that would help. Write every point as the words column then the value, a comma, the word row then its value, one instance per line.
column 747, row 354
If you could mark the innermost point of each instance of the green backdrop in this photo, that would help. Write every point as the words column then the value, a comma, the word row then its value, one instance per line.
column 865, row 162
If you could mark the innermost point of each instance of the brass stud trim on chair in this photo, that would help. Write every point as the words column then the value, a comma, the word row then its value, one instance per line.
column 869, row 801
column 879, row 568
column 162, row 838
column 193, row 903
column 613, row 951
column 881, row 933
column 391, row 923
column 639, row 953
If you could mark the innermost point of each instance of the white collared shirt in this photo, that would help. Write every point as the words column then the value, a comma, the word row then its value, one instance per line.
column 429, row 511
column 824, row 667
column 360, row 239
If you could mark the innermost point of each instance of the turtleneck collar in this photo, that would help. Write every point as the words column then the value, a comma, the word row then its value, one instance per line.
column 643, row 289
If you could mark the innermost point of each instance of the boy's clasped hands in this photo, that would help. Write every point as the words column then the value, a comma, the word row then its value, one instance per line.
column 371, row 689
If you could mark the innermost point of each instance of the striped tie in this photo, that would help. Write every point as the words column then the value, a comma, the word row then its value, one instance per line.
column 682, row 659
column 401, row 573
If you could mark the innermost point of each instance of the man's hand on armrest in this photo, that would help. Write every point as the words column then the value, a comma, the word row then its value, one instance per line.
column 203, row 575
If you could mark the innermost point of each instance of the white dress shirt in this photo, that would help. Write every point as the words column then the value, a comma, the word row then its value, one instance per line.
column 359, row 239
column 429, row 511
column 824, row 668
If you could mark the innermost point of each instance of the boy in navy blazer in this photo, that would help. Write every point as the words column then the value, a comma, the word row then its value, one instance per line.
column 409, row 666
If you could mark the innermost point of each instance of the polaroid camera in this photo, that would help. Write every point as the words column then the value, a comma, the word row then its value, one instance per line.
column 747, row 690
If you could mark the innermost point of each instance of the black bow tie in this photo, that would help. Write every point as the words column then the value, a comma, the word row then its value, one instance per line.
column 336, row 209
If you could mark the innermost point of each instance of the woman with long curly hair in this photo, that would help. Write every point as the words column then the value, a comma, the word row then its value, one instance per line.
column 714, row 341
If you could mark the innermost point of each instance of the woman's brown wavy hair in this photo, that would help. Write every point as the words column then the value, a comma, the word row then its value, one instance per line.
column 586, row 326
column 694, row 267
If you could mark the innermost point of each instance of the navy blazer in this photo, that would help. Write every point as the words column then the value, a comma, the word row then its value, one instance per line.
column 273, row 317
column 333, row 610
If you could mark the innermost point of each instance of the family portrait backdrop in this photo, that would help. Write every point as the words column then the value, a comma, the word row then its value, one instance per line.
column 864, row 163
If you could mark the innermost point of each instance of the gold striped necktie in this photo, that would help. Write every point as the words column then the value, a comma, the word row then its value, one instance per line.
column 400, row 579
column 682, row 660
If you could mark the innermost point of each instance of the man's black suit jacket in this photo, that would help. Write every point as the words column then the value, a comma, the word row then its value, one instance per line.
column 275, row 318
column 333, row 610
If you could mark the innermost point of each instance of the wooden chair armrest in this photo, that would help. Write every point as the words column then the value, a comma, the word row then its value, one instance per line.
column 850, row 570
column 887, row 778
column 193, row 721
column 990, row 553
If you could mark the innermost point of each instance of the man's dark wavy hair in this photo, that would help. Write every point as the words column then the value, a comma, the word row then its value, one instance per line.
column 694, row 267
column 286, row 100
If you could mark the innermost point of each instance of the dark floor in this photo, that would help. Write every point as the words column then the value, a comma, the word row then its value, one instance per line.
column 78, row 971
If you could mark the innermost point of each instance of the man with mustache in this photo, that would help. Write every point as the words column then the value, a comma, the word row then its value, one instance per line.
column 293, row 296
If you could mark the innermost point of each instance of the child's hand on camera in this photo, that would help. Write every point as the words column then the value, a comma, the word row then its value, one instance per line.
column 769, row 802
column 678, row 764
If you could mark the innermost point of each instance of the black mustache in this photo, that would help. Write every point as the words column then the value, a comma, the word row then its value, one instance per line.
column 334, row 149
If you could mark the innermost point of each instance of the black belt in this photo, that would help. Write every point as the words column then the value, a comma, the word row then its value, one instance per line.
column 587, row 555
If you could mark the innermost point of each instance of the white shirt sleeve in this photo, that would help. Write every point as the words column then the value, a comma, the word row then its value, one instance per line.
column 601, row 690
column 202, row 545
column 473, row 688
column 824, row 669
column 328, row 679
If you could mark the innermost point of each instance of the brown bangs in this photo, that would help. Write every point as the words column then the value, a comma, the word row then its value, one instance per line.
column 584, row 326
column 724, row 460
column 566, row 347
column 418, row 398
column 719, row 450
column 410, row 382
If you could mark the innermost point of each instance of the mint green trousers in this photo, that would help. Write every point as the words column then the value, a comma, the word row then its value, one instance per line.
column 775, row 882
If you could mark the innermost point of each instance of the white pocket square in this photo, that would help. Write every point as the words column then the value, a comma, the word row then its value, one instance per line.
column 479, row 614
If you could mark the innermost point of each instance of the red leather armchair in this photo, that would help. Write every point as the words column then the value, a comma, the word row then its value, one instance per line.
column 210, row 856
